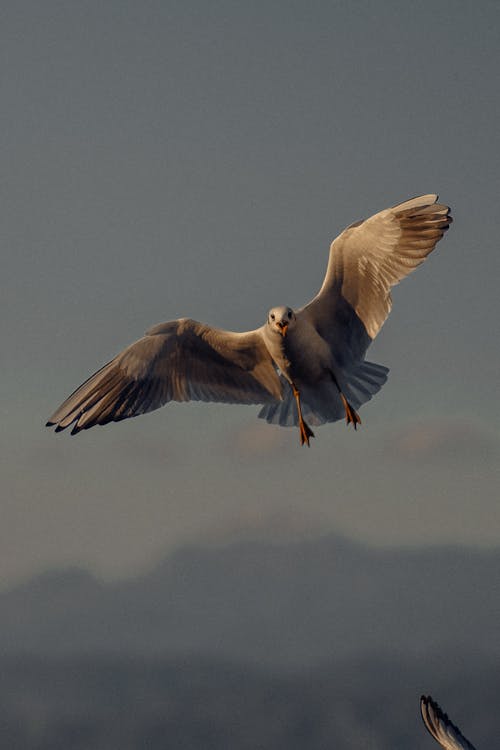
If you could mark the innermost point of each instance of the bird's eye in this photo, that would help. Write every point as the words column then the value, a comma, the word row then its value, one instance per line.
column 272, row 316
column 289, row 315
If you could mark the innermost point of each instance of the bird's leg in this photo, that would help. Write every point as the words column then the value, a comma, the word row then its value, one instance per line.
column 351, row 415
column 305, row 430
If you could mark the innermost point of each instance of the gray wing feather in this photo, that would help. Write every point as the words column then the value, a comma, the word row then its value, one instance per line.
column 441, row 728
column 181, row 360
column 365, row 261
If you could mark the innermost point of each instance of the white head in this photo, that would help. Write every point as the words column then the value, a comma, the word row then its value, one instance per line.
column 280, row 319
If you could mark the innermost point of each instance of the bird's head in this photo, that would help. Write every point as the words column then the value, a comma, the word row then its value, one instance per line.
column 280, row 319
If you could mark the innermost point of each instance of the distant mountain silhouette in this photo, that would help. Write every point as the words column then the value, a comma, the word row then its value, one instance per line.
column 286, row 605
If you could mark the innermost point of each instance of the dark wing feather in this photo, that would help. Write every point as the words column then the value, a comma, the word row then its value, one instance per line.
column 177, row 361
column 365, row 261
column 441, row 728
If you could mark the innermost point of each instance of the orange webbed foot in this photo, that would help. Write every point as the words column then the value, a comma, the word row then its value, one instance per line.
column 351, row 415
column 305, row 433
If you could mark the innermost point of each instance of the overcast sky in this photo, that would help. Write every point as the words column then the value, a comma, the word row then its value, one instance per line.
column 168, row 159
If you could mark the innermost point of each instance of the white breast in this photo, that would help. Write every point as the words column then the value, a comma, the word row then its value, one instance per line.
column 302, row 355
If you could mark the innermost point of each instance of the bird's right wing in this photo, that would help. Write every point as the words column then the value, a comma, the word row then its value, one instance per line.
column 181, row 360
column 441, row 728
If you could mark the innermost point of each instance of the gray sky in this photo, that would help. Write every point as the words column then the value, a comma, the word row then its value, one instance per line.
column 168, row 159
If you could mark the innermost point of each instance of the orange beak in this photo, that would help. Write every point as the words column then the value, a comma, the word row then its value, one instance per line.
column 283, row 328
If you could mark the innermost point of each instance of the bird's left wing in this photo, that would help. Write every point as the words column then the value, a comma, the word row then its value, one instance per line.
column 181, row 360
column 365, row 261
column 440, row 727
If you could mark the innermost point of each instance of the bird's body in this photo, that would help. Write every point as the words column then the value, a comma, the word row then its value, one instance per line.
column 306, row 365
column 301, row 355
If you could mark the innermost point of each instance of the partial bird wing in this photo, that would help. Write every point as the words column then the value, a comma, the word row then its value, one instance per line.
column 442, row 729
column 366, row 260
column 181, row 360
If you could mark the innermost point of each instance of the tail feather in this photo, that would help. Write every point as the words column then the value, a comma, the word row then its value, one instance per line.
column 322, row 403
column 361, row 382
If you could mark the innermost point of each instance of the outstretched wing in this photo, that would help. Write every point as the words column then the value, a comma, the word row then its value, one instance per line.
column 181, row 360
column 442, row 729
column 366, row 260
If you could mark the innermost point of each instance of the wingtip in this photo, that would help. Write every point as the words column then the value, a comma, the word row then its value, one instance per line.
column 426, row 700
column 418, row 201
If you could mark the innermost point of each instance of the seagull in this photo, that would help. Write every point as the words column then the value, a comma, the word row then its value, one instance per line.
column 304, row 367
column 442, row 729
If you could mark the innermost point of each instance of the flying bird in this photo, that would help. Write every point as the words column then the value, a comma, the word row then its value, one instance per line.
column 305, row 367
column 441, row 728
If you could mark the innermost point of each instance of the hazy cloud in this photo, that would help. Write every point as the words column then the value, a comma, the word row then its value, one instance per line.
column 259, row 440
column 443, row 440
